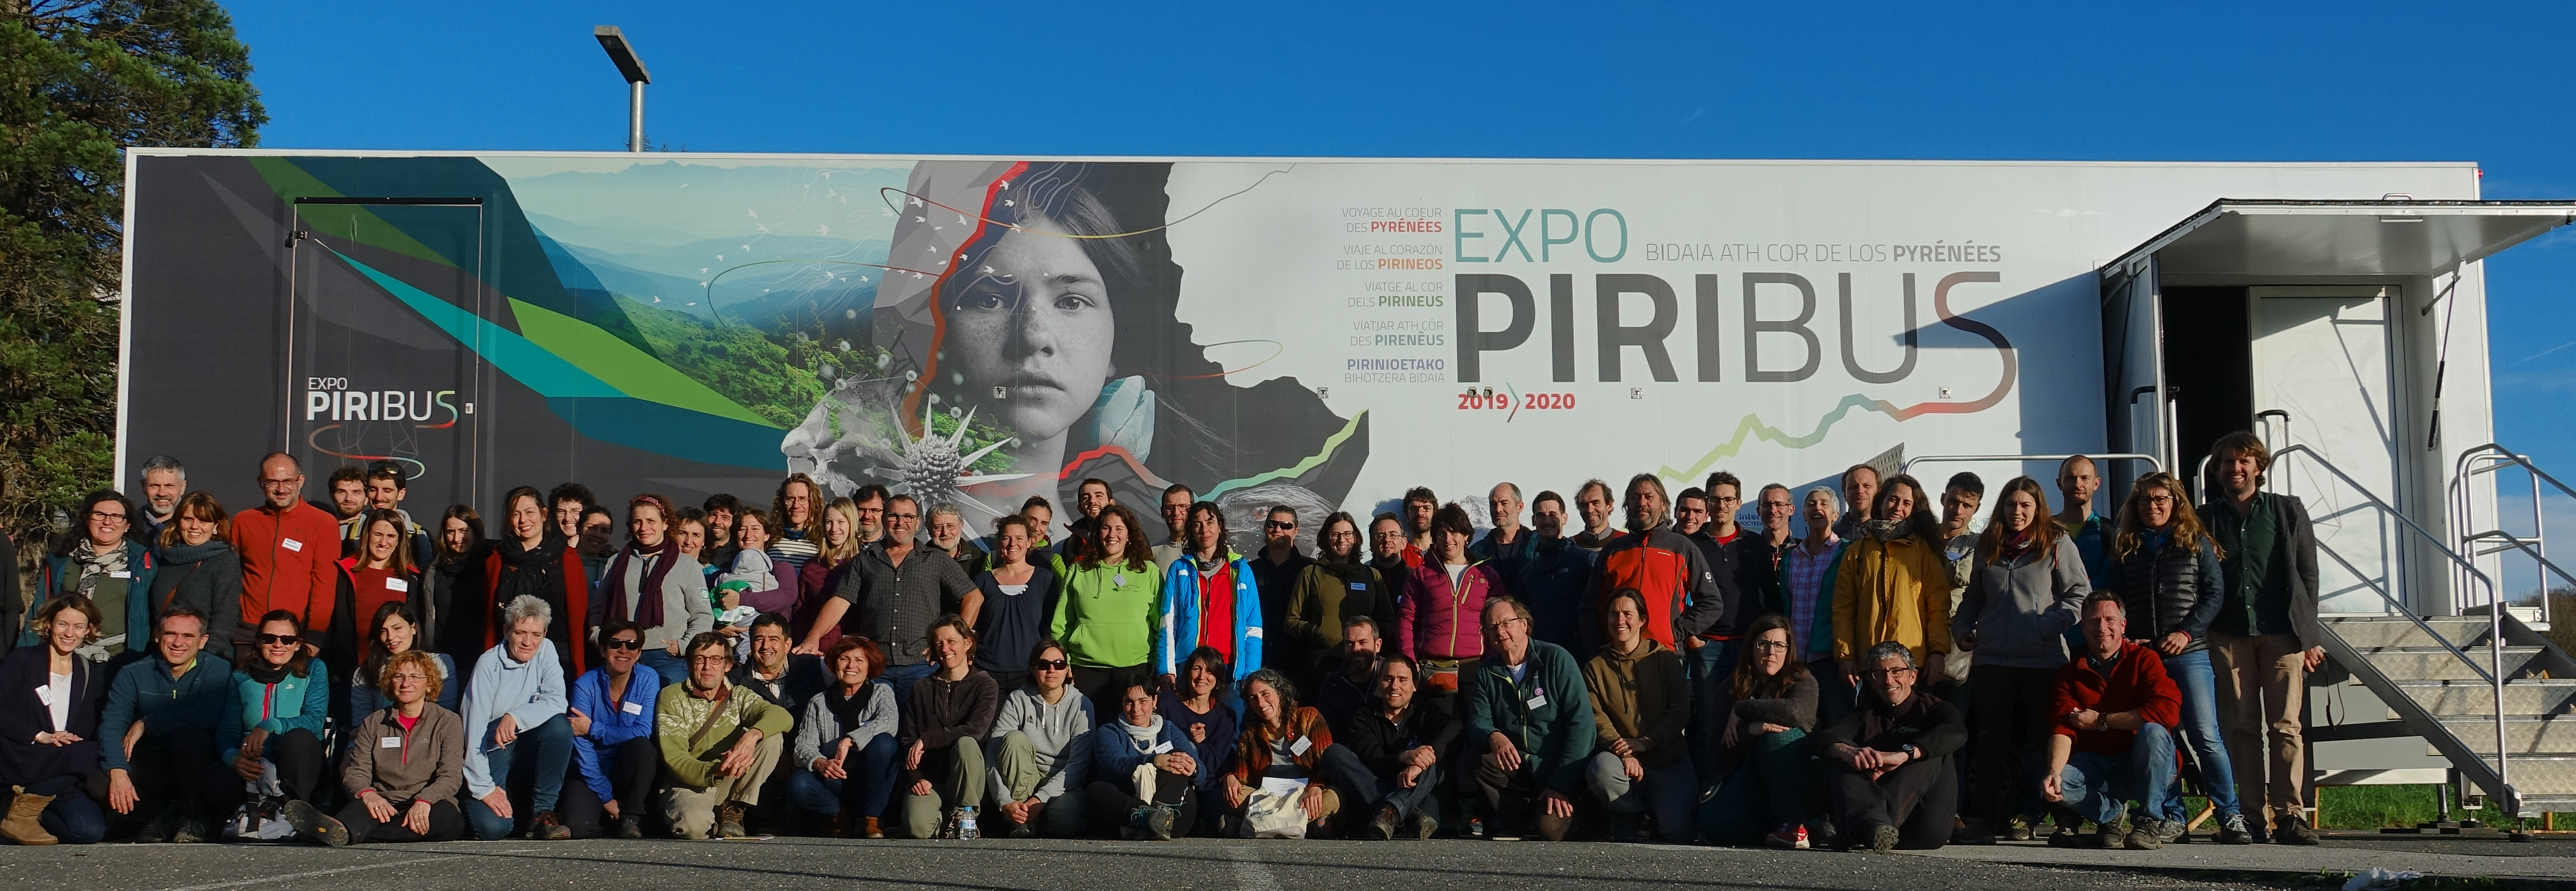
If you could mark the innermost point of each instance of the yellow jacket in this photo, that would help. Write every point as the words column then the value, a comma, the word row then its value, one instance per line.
column 1891, row 590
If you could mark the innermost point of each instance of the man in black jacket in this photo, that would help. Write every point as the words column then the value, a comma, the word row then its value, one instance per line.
column 1387, row 759
column 1887, row 764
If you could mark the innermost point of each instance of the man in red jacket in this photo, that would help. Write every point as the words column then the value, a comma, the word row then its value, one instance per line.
column 289, row 553
column 2114, row 744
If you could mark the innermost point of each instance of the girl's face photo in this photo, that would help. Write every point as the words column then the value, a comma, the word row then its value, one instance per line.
column 1036, row 321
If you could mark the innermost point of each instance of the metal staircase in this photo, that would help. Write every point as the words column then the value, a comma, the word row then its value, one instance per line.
column 2484, row 690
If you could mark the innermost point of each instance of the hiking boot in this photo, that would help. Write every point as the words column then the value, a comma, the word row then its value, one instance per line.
column 2144, row 834
column 1159, row 823
column 1019, row 829
column 311, row 823
column 2292, row 829
column 630, row 826
column 1973, row 831
column 1881, row 838
column 729, row 821
column 2173, row 832
column 2017, row 828
column 870, row 828
column 2107, row 836
column 2231, row 831
column 1382, row 824
column 548, row 827
column 22, row 825
column 191, row 830
column 1786, row 837
column 1422, row 827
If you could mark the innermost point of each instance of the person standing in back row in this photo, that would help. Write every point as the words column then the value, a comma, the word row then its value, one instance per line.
column 289, row 551
column 2266, row 638
column 899, row 589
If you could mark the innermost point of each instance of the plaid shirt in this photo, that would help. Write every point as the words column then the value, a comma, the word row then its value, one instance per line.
column 1802, row 574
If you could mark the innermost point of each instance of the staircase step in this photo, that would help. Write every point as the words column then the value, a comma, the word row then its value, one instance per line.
column 2376, row 631
column 2437, row 664
column 2522, row 736
column 2538, row 776
column 2528, row 696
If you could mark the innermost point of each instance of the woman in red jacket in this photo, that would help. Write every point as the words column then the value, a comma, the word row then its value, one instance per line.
column 1437, row 621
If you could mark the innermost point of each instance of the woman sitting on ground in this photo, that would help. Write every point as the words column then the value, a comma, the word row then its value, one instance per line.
column 49, row 707
column 1766, row 745
column 1281, row 741
column 405, row 766
column 1144, row 773
column 1197, row 708
column 1038, row 767
column 943, row 732
column 280, row 697
column 845, row 742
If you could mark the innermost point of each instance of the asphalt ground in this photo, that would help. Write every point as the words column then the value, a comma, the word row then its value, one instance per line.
column 610, row 865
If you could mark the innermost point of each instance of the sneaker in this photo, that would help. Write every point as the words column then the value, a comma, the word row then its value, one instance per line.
column 1020, row 830
column 190, row 830
column 2107, row 835
column 311, row 823
column 2173, row 832
column 2145, row 834
column 1475, row 828
column 2231, row 831
column 2017, row 828
column 2293, row 830
column 728, row 821
column 549, row 827
column 1882, row 838
column 1972, row 831
column 1824, row 835
column 1423, row 826
column 1786, row 837
column 1159, row 822
column 1382, row 824
column 160, row 829
column 630, row 826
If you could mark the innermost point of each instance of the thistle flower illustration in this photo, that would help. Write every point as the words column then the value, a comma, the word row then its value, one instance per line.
column 933, row 469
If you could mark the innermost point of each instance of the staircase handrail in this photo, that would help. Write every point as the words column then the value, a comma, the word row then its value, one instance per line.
column 2496, row 457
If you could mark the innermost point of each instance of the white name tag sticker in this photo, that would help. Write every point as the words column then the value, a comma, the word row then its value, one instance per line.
column 390, row 742
column 1301, row 745
column 1538, row 699
column 1359, row 586
column 119, row 574
column 632, row 708
column 393, row 584
column 45, row 694
column 1120, row 579
column 1162, row 748
column 291, row 544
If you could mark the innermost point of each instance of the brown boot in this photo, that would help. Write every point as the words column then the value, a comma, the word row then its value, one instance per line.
column 868, row 828
column 21, row 825
column 840, row 825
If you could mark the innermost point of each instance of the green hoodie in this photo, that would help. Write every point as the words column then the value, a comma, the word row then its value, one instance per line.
column 1108, row 614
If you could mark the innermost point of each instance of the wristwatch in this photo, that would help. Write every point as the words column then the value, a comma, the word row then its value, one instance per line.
column 1911, row 753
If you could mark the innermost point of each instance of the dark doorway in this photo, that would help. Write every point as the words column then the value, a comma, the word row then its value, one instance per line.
column 2209, row 362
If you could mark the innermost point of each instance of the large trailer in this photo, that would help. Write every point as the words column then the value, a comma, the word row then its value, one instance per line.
column 1326, row 333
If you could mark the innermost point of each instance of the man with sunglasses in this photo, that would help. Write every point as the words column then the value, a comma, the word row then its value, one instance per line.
column 1888, row 763
column 157, row 734
column 290, row 552
column 1274, row 576
column 611, row 715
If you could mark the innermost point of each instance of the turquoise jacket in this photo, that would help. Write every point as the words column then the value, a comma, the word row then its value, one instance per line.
column 1183, row 603
column 293, row 703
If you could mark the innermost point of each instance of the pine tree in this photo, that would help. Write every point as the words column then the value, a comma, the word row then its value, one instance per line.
column 81, row 80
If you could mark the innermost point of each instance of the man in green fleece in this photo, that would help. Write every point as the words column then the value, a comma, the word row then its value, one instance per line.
column 718, row 742
column 1526, row 704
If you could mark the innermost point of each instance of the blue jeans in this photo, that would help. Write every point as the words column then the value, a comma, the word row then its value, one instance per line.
column 1671, row 791
column 2207, row 747
column 870, row 784
column 673, row 669
column 541, row 755
column 2099, row 787
column 73, row 818
column 1709, row 670
column 903, row 677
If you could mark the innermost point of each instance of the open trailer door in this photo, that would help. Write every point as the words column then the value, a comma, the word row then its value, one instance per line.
column 2135, row 393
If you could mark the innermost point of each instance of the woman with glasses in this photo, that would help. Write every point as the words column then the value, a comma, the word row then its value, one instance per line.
column 845, row 743
column 1764, row 748
column 1010, row 604
column 2164, row 566
column 1210, row 598
column 1640, row 704
column 115, row 572
column 2025, row 584
column 1038, row 767
column 405, row 764
column 611, row 713
column 1338, row 585
column 396, row 630
column 280, row 697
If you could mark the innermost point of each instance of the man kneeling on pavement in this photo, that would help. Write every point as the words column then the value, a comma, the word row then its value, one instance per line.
column 2114, row 743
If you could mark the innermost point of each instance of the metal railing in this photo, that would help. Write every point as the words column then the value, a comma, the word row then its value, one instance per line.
column 2493, row 671
column 2490, row 458
column 1908, row 466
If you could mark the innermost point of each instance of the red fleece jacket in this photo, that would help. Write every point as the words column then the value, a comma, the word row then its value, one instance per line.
column 2137, row 682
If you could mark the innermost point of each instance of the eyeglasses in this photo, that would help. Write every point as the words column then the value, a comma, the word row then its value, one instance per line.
column 1049, row 665
column 413, row 677
column 1769, row 645
column 286, row 483
column 710, row 660
column 103, row 515
column 896, row 516
column 1275, row 524
column 621, row 644
column 289, row 639
column 1890, row 672
column 2160, row 499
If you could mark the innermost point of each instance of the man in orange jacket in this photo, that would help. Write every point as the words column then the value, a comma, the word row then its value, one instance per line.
column 288, row 551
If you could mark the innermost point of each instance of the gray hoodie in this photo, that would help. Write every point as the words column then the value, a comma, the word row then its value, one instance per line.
column 2020, row 610
column 1050, row 729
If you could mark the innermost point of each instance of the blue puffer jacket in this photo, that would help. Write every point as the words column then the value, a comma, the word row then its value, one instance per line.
column 1183, row 603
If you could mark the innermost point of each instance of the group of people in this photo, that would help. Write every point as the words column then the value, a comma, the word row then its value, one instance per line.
column 1899, row 675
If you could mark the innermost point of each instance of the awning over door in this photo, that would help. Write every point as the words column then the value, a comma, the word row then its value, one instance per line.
column 2269, row 238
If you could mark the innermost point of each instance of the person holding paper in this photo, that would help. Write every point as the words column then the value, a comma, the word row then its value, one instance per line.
column 1279, row 756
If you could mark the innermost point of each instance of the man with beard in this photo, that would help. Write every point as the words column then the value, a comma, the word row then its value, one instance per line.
column 1683, row 595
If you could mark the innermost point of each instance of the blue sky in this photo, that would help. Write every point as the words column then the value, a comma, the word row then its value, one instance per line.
column 2166, row 81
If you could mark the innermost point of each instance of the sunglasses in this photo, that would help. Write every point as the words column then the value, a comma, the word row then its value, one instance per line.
column 1049, row 665
column 266, row 639
column 1275, row 524
column 622, row 645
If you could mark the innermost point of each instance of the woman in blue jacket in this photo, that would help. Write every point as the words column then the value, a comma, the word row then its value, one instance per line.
column 1139, row 746
column 113, row 571
column 280, row 697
